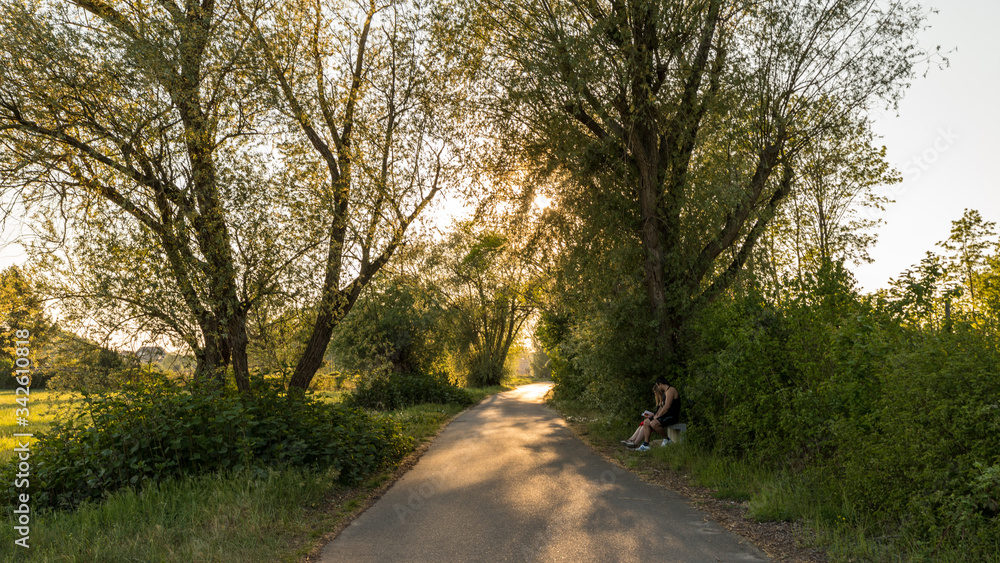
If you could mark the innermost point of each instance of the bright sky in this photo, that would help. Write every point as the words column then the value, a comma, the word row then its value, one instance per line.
column 10, row 251
column 943, row 141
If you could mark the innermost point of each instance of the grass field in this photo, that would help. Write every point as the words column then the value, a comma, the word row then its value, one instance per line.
column 44, row 407
column 252, row 516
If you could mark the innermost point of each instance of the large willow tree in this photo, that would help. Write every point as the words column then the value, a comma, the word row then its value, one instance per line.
column 194, row 162
column 695, row 112
column 371, row 109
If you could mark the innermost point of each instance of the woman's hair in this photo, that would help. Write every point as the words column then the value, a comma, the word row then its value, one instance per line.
column 660, row 396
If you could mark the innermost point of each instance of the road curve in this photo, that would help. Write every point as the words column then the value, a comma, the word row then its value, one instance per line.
column 508, row 481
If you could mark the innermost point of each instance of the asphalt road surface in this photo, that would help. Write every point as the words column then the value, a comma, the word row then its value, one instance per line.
column 508, row 481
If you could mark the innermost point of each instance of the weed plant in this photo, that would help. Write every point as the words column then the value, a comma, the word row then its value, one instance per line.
column 396, row 390
column 156, row 430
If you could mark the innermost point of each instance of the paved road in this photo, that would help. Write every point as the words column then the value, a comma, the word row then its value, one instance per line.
column 508, row 481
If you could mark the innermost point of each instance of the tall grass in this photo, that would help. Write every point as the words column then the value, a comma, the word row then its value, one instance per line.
column 245, row 517
column 44, row 408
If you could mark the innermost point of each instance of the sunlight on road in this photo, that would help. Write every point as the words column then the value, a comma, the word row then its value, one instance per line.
column 533, row 393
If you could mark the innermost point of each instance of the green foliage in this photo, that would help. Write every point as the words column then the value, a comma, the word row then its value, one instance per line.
column 148, row 432
column 962, row 518
column 766, row 381
column 603, row 353
column 398, row 325
column 828, row 217
column 900, row 425
column 770, row 97
column 251, row 516
column 971, row 240
column 208, row 230
column 483, row 369
column 75, row 363
column 917, row 297
column 540, row 363
column 278, row 514
column 921, row 455
column 277, row 338
column 395, row 390
column 492, row 281
column 960, row 284
column 61, row 359
column 553, row 332
column 21, row 309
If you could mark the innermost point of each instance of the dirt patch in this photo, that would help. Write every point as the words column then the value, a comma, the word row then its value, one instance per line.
column 782, row 541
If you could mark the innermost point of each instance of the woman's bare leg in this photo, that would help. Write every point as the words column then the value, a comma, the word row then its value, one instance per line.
column 637, row 435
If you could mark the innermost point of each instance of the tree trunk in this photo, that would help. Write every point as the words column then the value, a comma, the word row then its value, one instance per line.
column 312, row 356
column 333, row 304
column 211, row 358
column 653, row 267
column 238, row 346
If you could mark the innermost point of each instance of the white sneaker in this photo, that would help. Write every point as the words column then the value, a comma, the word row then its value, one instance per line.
column 665, row 442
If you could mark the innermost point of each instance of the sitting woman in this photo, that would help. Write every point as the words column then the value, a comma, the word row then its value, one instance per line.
column 636, row 438
column 668, row 414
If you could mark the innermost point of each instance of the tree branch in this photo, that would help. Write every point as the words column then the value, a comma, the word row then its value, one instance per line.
column 725, row 280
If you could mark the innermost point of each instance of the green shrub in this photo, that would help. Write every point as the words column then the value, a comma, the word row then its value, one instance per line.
column 396, row 325
column 604, row 356
column 892, row 426
column 898, row 426
column 39, row 379
column 396, row 390
column 937, row 419
column 154, row 430
column 482, row 370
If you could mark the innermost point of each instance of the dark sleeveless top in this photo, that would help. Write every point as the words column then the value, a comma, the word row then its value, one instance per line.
column 674, row 412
